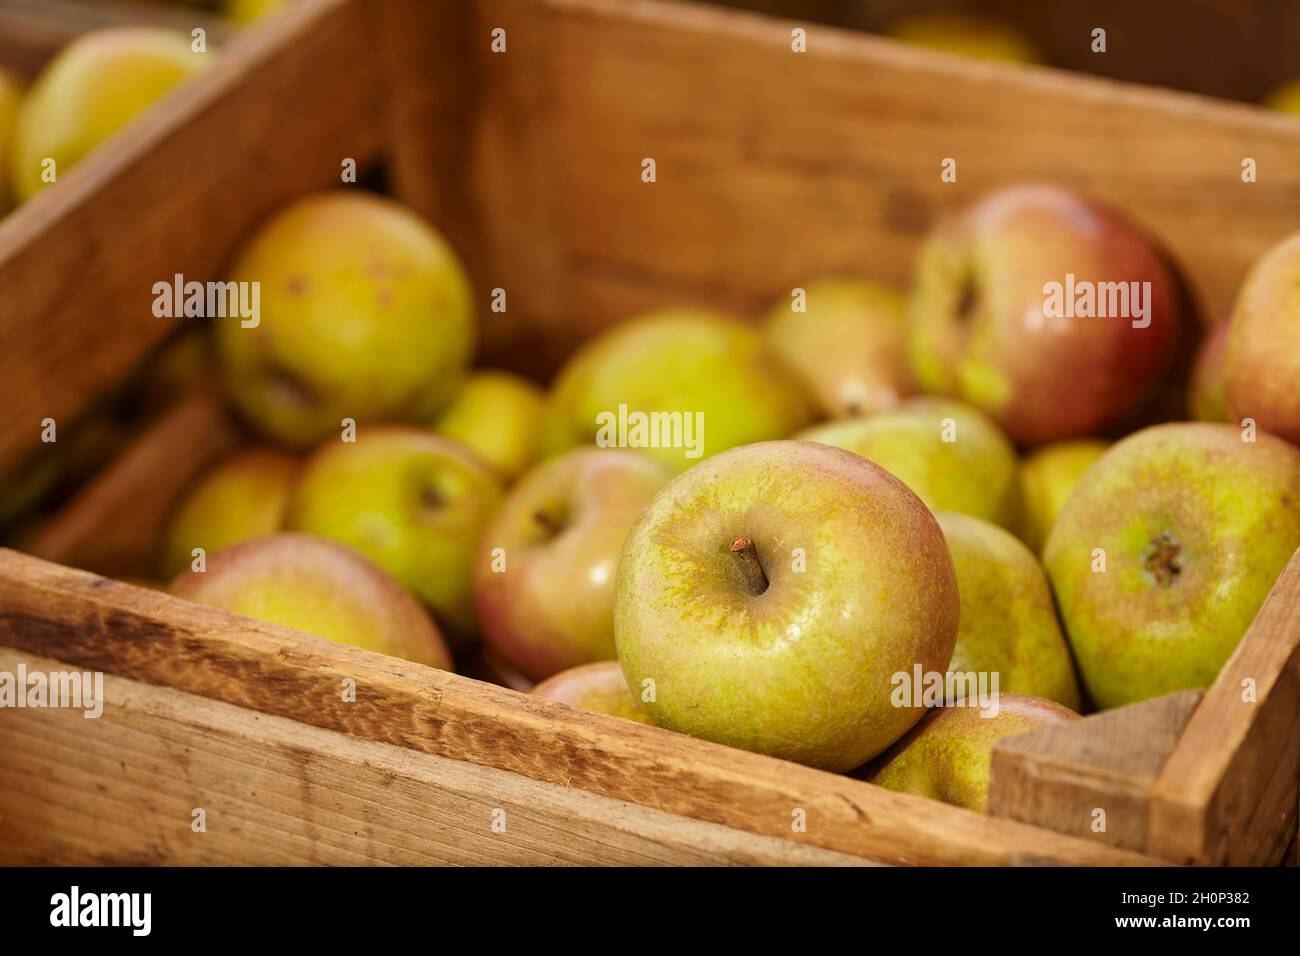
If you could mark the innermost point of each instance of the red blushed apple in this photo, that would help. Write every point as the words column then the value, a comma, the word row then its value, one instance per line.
column 600, row 688
column 1261, row 364
column 544, row 578
column 1045, row 309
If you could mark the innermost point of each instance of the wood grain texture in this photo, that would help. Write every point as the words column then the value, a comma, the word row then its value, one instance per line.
column 1228, row 792
column 122, row 788
column 774, row 167
column 113, row 523
column 431, row 103
column 1059, row 776
column 173, row 193
column 516, row 178
column 1236, row 48
column 147, row 636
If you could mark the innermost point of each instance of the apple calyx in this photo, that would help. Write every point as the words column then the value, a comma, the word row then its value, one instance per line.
column 1162, row 559
column 289, row 388
column 968, row 299
column 549, row 524
column 747, row 557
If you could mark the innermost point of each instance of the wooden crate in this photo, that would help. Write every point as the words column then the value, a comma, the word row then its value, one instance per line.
column 772, row 167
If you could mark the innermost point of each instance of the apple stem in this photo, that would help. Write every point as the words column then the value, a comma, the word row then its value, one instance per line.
column 747, row 555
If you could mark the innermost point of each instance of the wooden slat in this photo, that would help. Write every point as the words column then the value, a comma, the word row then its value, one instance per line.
column 515, row 175
column 151, row 637
column 774, row 167
column 432, row 102
column 272, row 119
column 113, row 523
column 1227, row 794
column 122, row 788
column 1058, row 777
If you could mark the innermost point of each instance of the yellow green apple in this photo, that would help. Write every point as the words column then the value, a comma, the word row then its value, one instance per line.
column 1008, row 621
column 952, row 455
column 599, row 688
column 1285, row 97
column 710, row 381
column 1048, row 475
column 365, row 314
column 1166, row 550
column 544, row 578
column 770, row 595
column 11, row 97
column 498, row 415
column 244, row 12
column 414, row 502
column 1207, row 397
column 948, row 756
column 91, row 89
column 318, row 587
column 245, row 496
column 967, row 35
column 848, row 344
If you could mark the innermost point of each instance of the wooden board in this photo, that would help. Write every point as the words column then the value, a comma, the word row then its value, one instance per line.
column 1241, row 49
column 146, row 636
column 112, row 525
column 173, row 193
column 774, row 167
column 1092, row 778
column 1228, row 792
column 121, row 789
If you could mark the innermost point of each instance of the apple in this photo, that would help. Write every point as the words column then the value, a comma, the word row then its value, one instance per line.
column 480, row 663
column 713, row 373
column 414, row 502
column 245, row 12
column 1192, row 525
column 599, row 688
column 1008, row 621
column 967, row 35
column 1285, row 97
column 1047, row 477
column 497, row 415
column 365, row 314
column 770, row 594
column 1261, row 365
column 544, row 578
column 1206, row 395
column 948, row 756
column 91, row 89
column 952, row 455
column 245, row 496
column 11, row 97
column 848, row 345
column 999, row 313
column 318, row 587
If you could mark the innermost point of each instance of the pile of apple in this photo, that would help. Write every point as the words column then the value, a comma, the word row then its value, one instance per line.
column 850, row 520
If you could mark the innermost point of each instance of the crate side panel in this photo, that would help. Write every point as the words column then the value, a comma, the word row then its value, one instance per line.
column 123, row 788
